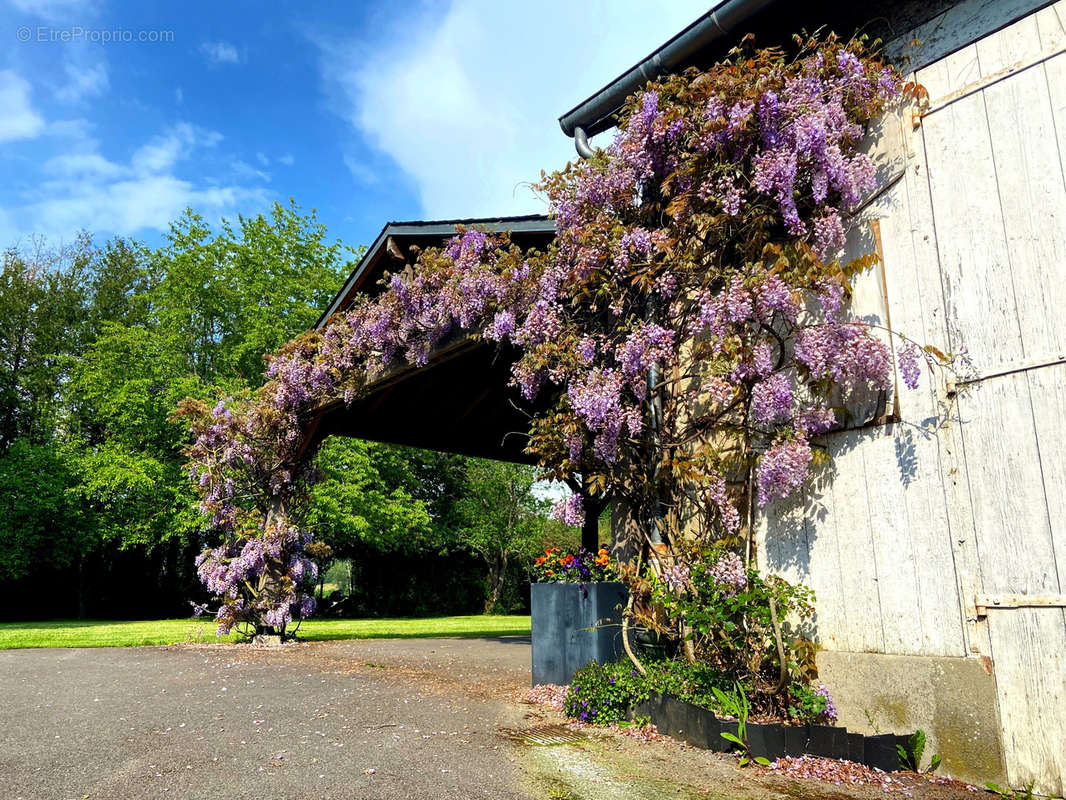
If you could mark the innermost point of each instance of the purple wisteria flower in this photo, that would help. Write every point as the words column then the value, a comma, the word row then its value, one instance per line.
column 783, row 469
column 910, row 364
column 676, row 577
column 771, row 399
column 728, row 573
column 569, row 510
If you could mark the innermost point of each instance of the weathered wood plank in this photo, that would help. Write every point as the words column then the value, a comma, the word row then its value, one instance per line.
column 975, row 264
column 1017, row 42
column 912, row 281
column 1051, row 23
column 781, row 537
column 825, row 576
column 1055, row 72
column 1007, row 488
column 957, row 27
column 1029, row 652
column 951, row 73
column 1048, row 387
column 914, row 473
column 847, row 527
column 893, row 548
column 1032, row 197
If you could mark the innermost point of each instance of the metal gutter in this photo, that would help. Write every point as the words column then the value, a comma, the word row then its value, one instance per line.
column 595, row 114
column 530, row 223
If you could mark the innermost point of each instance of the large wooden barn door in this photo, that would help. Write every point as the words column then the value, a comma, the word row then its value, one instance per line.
column 991, row 149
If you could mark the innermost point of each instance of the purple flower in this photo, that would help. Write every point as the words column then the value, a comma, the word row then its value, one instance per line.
column 910, row 364
column 728, row 573
column 782, row 469
column 676, row 577
column 569, row 510
column 771, row 399
column 830, row 713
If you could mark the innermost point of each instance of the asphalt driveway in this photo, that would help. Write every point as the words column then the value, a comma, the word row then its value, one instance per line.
column 416, row 719
column 365, row 719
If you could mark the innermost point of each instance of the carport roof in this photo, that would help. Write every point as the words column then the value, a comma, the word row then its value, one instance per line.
column 459, row 402
column 424, row 233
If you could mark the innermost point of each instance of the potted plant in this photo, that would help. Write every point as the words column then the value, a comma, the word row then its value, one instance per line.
column 576, row 613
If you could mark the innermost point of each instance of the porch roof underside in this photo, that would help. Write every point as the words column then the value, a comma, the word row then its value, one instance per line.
column 460, row 402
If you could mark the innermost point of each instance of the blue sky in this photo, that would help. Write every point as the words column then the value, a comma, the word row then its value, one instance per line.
column 368, row 112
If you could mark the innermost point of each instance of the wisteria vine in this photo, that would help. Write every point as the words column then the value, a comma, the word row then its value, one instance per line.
column 688, row 324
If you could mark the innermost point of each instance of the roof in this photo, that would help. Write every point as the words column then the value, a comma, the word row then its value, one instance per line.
column 425, row 232
column 942, row 26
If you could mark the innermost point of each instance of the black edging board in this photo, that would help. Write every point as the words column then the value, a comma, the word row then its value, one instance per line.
column 701, row 728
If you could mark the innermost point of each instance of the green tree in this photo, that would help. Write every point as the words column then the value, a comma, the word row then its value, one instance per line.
column 130, row 464
column 502, row 519
column 42, row 306
column 41, row 524
column 172, row 323
column 367, row 496
column 232, row 295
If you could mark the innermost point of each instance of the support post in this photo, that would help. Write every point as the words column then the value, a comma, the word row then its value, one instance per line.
column 590, row 530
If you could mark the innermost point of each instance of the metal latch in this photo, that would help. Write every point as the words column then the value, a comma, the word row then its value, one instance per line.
column 983, row 602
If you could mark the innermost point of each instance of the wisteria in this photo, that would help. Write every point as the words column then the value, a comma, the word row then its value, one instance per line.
column 728, row 573
column 686, row 329
column 263, row 581
column 569, row 510
column 676, row 577
column 783, row 469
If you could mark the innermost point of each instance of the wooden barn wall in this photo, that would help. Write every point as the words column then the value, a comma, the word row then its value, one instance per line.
column 967, row 497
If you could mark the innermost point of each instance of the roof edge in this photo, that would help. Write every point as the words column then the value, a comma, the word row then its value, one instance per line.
column 528, row 223
column 595, row 114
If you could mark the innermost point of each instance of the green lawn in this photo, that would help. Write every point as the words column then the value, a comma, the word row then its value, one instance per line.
column 106, row 633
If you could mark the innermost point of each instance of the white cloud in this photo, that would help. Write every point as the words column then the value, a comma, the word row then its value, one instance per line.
column 467, row 103
column 82, row 189
column 162, row 152
column 287, row 160
column 220, row 52
column 129, row 206
column 83, row 81
column 82, row 165
column 262, row 159
column 18, row 119
column 245, row 171
column 364, row 175
column 179, row 96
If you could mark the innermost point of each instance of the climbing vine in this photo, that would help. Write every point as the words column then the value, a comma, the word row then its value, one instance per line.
column 687, row 328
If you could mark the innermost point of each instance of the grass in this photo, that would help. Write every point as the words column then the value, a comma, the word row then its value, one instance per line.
column 107, row 633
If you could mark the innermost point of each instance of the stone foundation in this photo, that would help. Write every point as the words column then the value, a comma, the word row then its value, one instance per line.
column 952, row 699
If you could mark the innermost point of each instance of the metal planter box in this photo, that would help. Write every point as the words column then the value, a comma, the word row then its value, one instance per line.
column 573, row 624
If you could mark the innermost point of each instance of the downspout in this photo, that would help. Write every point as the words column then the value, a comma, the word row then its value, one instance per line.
column 581, row 142
column 596, row 114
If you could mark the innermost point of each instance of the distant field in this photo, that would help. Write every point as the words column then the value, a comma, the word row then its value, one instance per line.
column 108, row 633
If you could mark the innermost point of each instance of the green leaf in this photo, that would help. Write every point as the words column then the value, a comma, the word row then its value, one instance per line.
column 729, row 737
column 762, row 760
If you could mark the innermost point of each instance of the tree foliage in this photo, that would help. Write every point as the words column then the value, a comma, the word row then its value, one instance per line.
column 97, row 346
column 503, row 519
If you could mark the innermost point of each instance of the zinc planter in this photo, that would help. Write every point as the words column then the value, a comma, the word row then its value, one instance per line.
column 573, row 624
